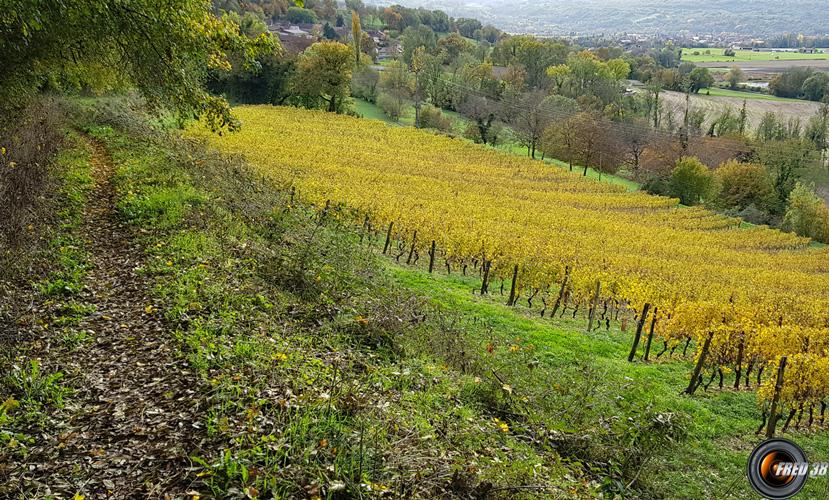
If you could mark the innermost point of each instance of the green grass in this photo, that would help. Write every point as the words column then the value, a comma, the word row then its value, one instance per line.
column 720, row 92
column 717, row 55
column 31, row 389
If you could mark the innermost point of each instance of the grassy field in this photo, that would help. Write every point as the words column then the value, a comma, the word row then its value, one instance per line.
column 720, row 92
column 717, row 55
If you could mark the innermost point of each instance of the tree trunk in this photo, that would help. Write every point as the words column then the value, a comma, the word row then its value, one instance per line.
column 432, row 258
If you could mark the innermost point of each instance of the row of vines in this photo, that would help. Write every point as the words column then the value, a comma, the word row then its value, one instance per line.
column 746, row 297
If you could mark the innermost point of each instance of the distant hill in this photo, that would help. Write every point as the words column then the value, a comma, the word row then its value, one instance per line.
column 556, row 17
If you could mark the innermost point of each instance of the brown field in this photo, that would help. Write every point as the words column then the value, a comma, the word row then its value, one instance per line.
column 769, row 66
column 714, row 105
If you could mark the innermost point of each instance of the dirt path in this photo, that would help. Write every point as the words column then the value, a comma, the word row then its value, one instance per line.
column 133, row 420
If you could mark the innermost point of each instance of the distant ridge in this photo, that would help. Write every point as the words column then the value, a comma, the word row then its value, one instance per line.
column 559, row 17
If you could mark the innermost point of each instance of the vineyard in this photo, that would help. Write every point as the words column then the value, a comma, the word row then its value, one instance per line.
column 751, row 300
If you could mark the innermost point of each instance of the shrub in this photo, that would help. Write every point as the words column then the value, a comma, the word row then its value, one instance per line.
column 806, row 214
column 432, row 117
column 299, row 15
column 391, row 106
column 364, row 83
column 690, row 181
column 740, row 185
column 29, row 143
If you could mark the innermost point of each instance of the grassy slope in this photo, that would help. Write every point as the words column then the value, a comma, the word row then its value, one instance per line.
column 717, row 55
column 318, row 373
column 709, row 464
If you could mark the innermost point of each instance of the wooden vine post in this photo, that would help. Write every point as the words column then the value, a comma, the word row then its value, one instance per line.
column 592, row 314
column 639, row 325
column 775, row 401
column 511, row 301
column 739, row 371
column 432, row 257
column 388, row 238
column 485, row 281
column 561, row 290
column 650, row 334
column 692, row 386
column 412, row 248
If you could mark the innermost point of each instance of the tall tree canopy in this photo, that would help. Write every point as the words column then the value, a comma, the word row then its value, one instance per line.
column 164, row 50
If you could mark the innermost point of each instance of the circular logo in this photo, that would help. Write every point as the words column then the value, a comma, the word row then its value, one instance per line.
column 777, row 469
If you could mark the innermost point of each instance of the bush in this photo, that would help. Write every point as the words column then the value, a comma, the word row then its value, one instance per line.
column 657, row 185
column 391, row 106
column 806, row 214
column 740, row 185
column 29, row 143
column 432, row 117
column 299, row 15
column 690, row 181
column 364, row 83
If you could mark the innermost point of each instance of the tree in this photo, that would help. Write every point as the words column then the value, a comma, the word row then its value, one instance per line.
column 741, row 185
column 356, row 35
column 467, row 27
column 806, row 214
column 700, row 78
column 735, row 76
column 364, row 83
column 587, row 135
column 784, row 161
column 559, row 141
column 818, row 128
column 585, row 74
column 483, row 113
column 816, row 87
column 298, row 15
column 323, row 75
column 419, row 62
column 417, row 36
column 453, row 45
column 790, row 82
column 396, row 85
column 634, row 138
column 533, row 54
column 329, row 33
column 535, row 111
column 162, row 52
column 690, row 181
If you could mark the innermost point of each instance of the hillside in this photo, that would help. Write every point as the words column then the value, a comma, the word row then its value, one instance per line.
column 755, row 18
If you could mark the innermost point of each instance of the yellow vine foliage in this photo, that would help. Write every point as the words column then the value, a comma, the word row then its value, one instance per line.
column 758, row 287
